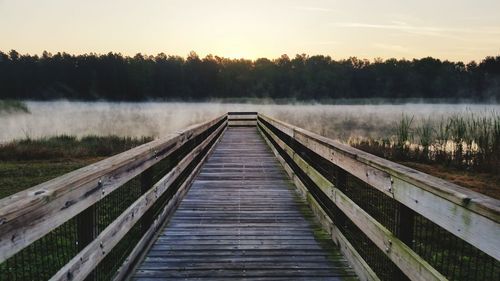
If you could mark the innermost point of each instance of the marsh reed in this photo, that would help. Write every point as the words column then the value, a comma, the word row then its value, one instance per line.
column 462, row 140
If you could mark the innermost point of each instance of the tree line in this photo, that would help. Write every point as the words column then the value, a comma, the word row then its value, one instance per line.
column 116, row 77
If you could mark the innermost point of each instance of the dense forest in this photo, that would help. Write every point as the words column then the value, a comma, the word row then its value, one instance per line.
column 116, row 77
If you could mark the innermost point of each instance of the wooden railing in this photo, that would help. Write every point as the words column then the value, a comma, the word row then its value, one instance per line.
column 94, row 222
column 246, row 119
column 390, row 221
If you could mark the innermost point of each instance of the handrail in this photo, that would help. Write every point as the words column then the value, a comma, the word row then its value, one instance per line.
column 30, row 214
column 242, row 119
column 83, row 263
column 321, row 168
column 471, row 216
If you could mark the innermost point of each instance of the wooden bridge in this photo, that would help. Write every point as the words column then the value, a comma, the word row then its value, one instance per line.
column 248, row 197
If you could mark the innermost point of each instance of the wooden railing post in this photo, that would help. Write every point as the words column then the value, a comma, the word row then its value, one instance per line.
column 87, row 232
column 341, row 179
column 405, row 220
column 406, row 223
column 341, row 184
column 146, row 184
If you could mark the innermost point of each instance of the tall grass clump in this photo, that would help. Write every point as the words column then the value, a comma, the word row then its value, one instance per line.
column 442, row 137
column 464, row 141
column 495, row 148
column 458, row 132
column 468, row 141
column 404, row 132
column 425, row 134
column 480, row 132
column 10, row 106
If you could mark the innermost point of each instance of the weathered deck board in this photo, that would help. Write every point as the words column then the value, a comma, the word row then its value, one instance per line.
column 242, row 220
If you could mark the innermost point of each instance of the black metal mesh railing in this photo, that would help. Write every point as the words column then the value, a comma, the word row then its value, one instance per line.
column 43, row 258
column 450, row 255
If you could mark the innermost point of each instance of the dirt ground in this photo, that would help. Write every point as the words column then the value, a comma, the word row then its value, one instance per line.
column 486, row 183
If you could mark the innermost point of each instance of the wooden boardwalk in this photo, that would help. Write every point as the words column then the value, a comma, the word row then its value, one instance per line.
column 242, row 219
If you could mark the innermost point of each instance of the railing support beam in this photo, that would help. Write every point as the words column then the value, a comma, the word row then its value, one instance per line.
column 405, row 218
column 87, row 232
column 146, row 184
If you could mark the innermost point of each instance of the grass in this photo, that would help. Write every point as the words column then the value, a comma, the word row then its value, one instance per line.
column 16, row 176
column 67, row 147
column 11, row 106
column 464, row 141
column 26, row 163
column 425, row 134
column 463, row 149
column 403, row 131
column 485, row 183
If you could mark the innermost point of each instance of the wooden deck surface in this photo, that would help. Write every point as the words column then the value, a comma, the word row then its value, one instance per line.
column 241, row 220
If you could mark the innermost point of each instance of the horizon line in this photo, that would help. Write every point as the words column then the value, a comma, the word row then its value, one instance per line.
column 291, row 57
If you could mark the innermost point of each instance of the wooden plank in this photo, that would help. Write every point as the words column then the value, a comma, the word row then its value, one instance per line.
column 234, row 119
column 242, row 123
column 236, row 265
column 241, row 237
column 246, row 247
column 243, row 278
column 87, row 259
column 145, row 242
column 250, row 259
column 240, row 272
column 237, row 242
column 242, row 113
column 277, row 254
column 362, row 269
column 232, row 227
column 241, row 117
column 415, row 267
column 469, row 215
column 30, row 214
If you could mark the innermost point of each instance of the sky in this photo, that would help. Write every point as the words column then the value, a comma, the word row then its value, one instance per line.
column 457, row 30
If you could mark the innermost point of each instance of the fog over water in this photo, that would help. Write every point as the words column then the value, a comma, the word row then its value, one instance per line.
column 157, row 119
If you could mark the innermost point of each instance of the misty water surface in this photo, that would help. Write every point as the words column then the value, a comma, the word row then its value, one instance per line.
column 158, row 119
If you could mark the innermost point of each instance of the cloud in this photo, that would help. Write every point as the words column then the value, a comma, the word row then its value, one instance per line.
column 420, row 30
column 394, row 25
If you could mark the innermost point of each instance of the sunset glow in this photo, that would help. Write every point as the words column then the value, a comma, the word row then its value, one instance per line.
column 455, row 30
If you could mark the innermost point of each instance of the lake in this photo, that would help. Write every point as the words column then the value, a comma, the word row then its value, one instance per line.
column 160, row 118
